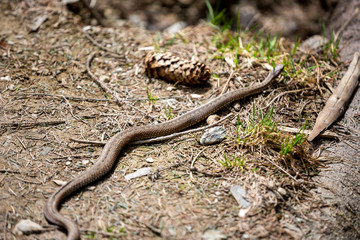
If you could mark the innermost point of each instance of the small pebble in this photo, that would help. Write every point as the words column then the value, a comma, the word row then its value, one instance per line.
column 196, row 96
column 237, row 106
column 171, row 88
column 212, row 119
column 26, row 226
column 213, row 135
column 139, row 173
column 173, row 103
column 243, row 212
column 213, row 234
column 172, row 231
column 282, row 191
column 104, row 78
column 246, row 236
column 6, row 78
column 59, row 182
column 117, row 70
column 175, row 27
column 240, row 194
column 46, row 150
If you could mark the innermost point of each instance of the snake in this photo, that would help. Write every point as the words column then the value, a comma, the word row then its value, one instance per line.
column 116, row 143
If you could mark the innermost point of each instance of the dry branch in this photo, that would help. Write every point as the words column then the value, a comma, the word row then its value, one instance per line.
column 31, row 124
column 325, row 134
column 336, row 104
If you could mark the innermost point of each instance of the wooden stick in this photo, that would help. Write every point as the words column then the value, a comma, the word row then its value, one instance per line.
column 337, row 103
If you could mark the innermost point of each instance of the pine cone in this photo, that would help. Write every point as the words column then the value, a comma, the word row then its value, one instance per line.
column 174, row 69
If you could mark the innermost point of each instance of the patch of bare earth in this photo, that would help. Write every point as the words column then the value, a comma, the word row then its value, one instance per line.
column 47, row 98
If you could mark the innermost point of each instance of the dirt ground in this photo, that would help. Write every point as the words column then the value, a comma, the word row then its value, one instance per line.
column 47, row 99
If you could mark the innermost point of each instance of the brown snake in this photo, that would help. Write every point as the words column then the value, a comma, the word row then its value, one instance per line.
column 109, row 155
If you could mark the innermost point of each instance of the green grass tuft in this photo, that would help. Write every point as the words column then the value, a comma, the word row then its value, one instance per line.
column 288, row 145
column 233, row 162
column 151, row 99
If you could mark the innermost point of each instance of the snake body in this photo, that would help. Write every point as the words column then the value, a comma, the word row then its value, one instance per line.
column 109, row 155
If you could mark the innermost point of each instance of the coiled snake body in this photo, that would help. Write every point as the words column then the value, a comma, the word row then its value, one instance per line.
column 113, row 147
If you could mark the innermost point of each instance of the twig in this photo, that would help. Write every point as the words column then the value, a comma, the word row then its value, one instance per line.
column 318, row 74
column 27, row 181
column 102, row 47
column 282, row 169
column 22, row 144
column 108, row 90
column 5, row 224
column 346, row 24
column 227, row 83
column 77, row 156
column 2, row 179
column 63, row 96
column 71, row 111
column 326, row 134
column 91, row 99
column 158, row 139
column 197, row 155
column 9, row 171
column 30, row 124
column 100, row 143
column 337, row 68
column 283, row 93
column 151, row 228
column 155, row 230
column 105, row 234
column 172, row 166
column 208, row 174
